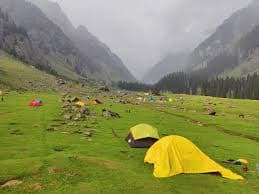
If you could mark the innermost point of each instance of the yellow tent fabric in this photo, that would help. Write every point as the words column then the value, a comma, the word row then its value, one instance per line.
column 174, row 155
column 143, row 131
column 80, row 103
column 1, row 93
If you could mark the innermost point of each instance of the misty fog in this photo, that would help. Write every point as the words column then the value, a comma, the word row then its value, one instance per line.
column 141, row 32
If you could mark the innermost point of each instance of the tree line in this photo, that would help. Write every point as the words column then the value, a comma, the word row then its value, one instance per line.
column 193, row 84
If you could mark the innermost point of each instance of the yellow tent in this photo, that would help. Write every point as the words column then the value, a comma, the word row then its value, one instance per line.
column 80, row 103
column 1, row 93
column 174, row 155
column 144, row 131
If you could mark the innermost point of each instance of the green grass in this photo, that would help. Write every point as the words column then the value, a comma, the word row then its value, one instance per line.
column 17, row 75
column 68, row 163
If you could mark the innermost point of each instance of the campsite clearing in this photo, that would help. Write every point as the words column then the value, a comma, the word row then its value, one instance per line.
column 66, row 159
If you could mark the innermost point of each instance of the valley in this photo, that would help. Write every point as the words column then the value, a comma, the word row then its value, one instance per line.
column 69, row 160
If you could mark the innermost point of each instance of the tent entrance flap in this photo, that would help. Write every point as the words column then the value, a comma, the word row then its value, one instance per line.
column 142, row 136
column 141, row 143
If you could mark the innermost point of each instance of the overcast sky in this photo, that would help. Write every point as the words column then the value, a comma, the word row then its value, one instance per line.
column 141, row 32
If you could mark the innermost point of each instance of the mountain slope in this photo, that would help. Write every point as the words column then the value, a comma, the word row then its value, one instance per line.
column 51, row 47
column 13, row 39
column 220, row 52
column 248, row 48
column 88, row 44
column 16, row 75
column 171, row 63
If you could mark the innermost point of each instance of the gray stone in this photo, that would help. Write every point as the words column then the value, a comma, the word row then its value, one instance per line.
column 84, row 110
column 88, row 134
column 68, row 116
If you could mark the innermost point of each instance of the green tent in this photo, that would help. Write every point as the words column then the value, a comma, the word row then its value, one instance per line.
column 142, row 135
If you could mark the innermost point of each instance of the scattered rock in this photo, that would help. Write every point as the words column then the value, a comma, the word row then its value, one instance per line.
column 242, row 116
column 68, row 116
column 84, row 110
column 104, row 89
column 72, row 124
column 61, row 82
column 122, row 102
column 212, row 112
column 88, row 134
column 66, row 105
column 79, row 116
column 75, row 108
column 77, row 131
column 11, row 183
column 200, row 124
column 52, row 129
column 73, row 99
column 107, row 113
column 91, row 130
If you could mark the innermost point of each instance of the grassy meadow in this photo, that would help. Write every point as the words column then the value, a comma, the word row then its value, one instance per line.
column 20, row 76
column 65, row 161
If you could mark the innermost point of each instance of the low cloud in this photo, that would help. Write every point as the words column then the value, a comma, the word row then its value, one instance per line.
column 141, row 32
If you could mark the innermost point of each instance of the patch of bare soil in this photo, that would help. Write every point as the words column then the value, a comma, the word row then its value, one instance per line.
column 11, row 183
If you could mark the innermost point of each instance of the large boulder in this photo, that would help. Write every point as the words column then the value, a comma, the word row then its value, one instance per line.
column 107, row 113
column 104, row 89
column 68, row 116
column 61, row 82
column 84, row 111
column 212, row 112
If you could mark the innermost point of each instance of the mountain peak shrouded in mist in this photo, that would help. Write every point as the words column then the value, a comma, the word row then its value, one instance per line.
column 88, row 44
column 171, row 63
column 56, row 44
column 141, row 35
column 217, row 54
column 230, row 48
column 141, row 31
